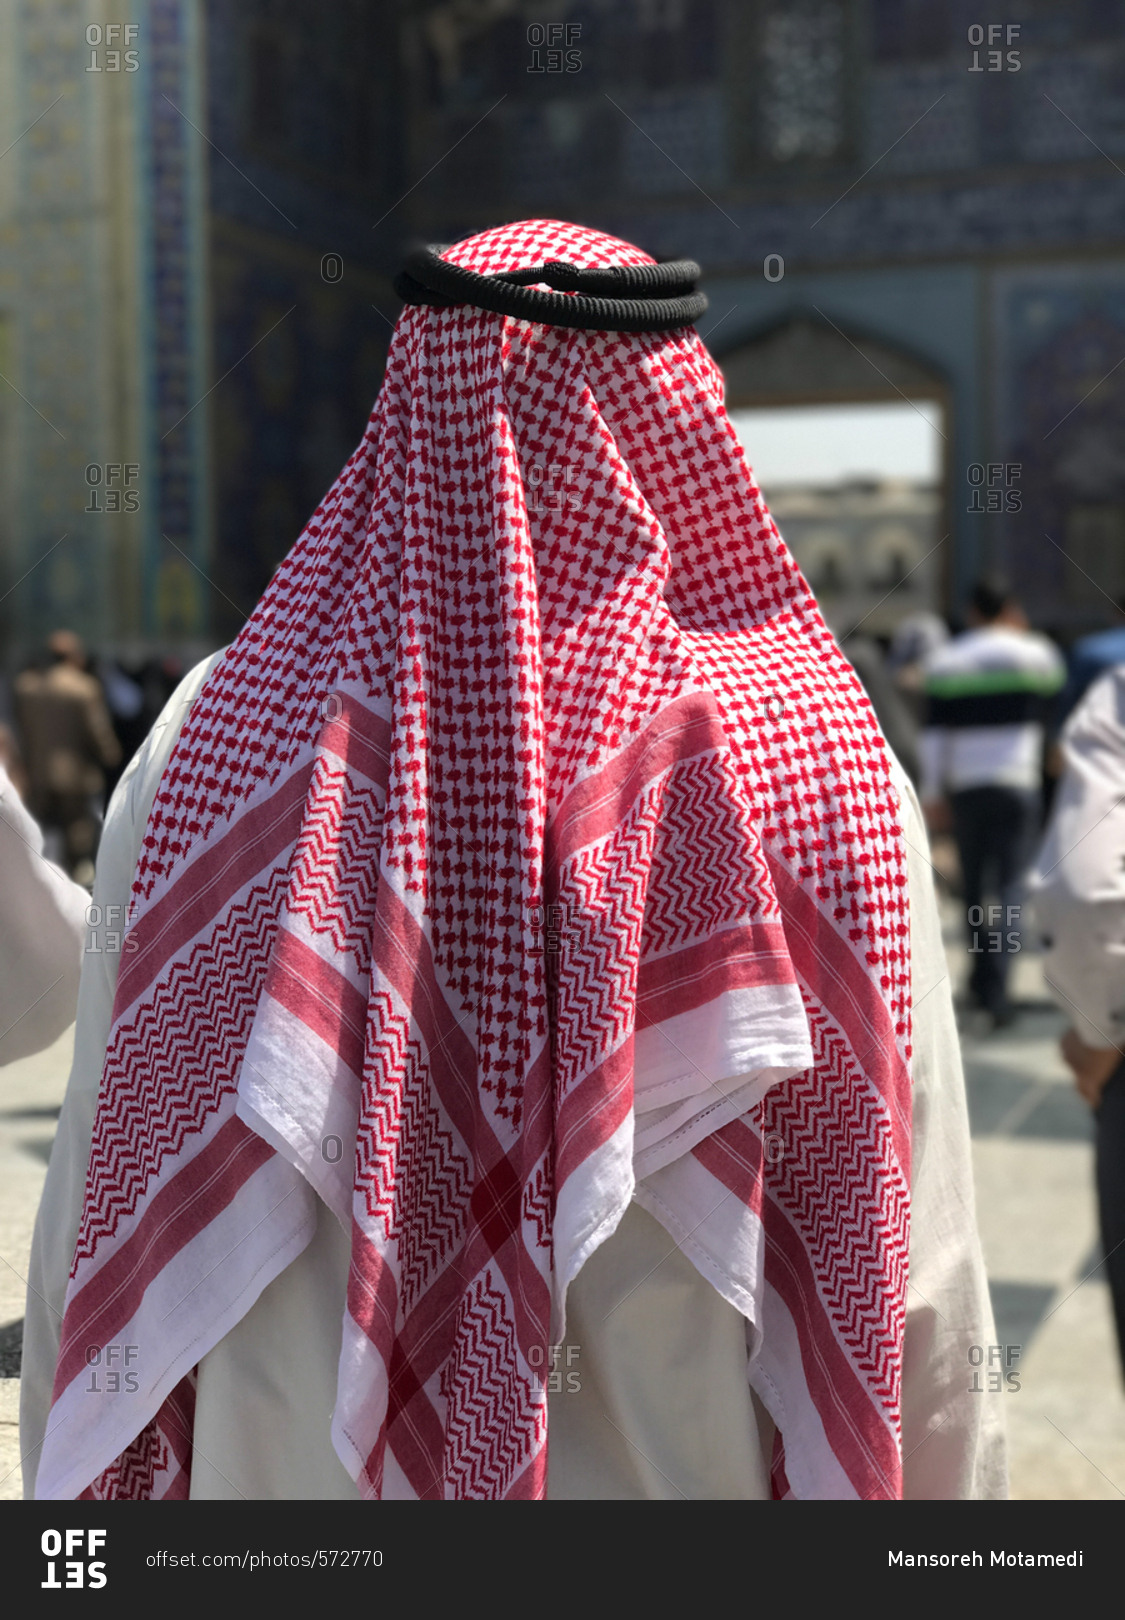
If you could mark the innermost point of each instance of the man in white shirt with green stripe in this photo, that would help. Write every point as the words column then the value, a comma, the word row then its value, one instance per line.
column 981, row 756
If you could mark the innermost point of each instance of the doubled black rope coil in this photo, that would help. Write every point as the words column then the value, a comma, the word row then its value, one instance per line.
column 626, row 298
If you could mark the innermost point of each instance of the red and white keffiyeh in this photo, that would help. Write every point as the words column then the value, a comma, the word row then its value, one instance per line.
column 532, row 849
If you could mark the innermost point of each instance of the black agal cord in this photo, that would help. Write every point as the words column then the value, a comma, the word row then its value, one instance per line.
column 626, row 298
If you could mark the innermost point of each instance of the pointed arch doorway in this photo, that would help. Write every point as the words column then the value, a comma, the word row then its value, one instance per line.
column 849, row 437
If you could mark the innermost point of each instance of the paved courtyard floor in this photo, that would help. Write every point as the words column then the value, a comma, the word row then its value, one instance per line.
column 1033, row 1158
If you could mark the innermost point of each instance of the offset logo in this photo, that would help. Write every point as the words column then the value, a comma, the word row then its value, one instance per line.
column 80, row 1567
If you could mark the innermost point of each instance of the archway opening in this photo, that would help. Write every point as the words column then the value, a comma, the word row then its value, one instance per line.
column 856, row 491
column 847, row 436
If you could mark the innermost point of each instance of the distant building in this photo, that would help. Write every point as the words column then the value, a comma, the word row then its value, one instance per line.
column 867, row 548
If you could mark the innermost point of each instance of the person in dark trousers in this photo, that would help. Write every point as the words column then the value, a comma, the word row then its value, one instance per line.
column 981, row 752
column 68, row 743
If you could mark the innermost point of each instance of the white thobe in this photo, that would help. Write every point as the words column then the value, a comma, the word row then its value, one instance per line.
column 649, row 1395
column 1077, row 889
column 42, row 932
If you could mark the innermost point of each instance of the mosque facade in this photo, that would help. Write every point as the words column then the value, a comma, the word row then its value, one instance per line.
column 893, row 199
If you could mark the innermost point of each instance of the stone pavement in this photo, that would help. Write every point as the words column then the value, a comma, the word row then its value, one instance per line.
column 1034, row 1172
column 30, row 1094
column 1033, row 1161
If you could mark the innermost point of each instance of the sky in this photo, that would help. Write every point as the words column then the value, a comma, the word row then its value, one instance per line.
column 822, row 444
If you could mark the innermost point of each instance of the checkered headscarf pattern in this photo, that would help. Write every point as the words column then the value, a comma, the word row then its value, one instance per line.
column 540, row 650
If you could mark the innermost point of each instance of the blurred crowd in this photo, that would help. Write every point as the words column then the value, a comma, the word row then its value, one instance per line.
column 977, row 715
column 982, row 719
column 1018, row 755
column 69, row 723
